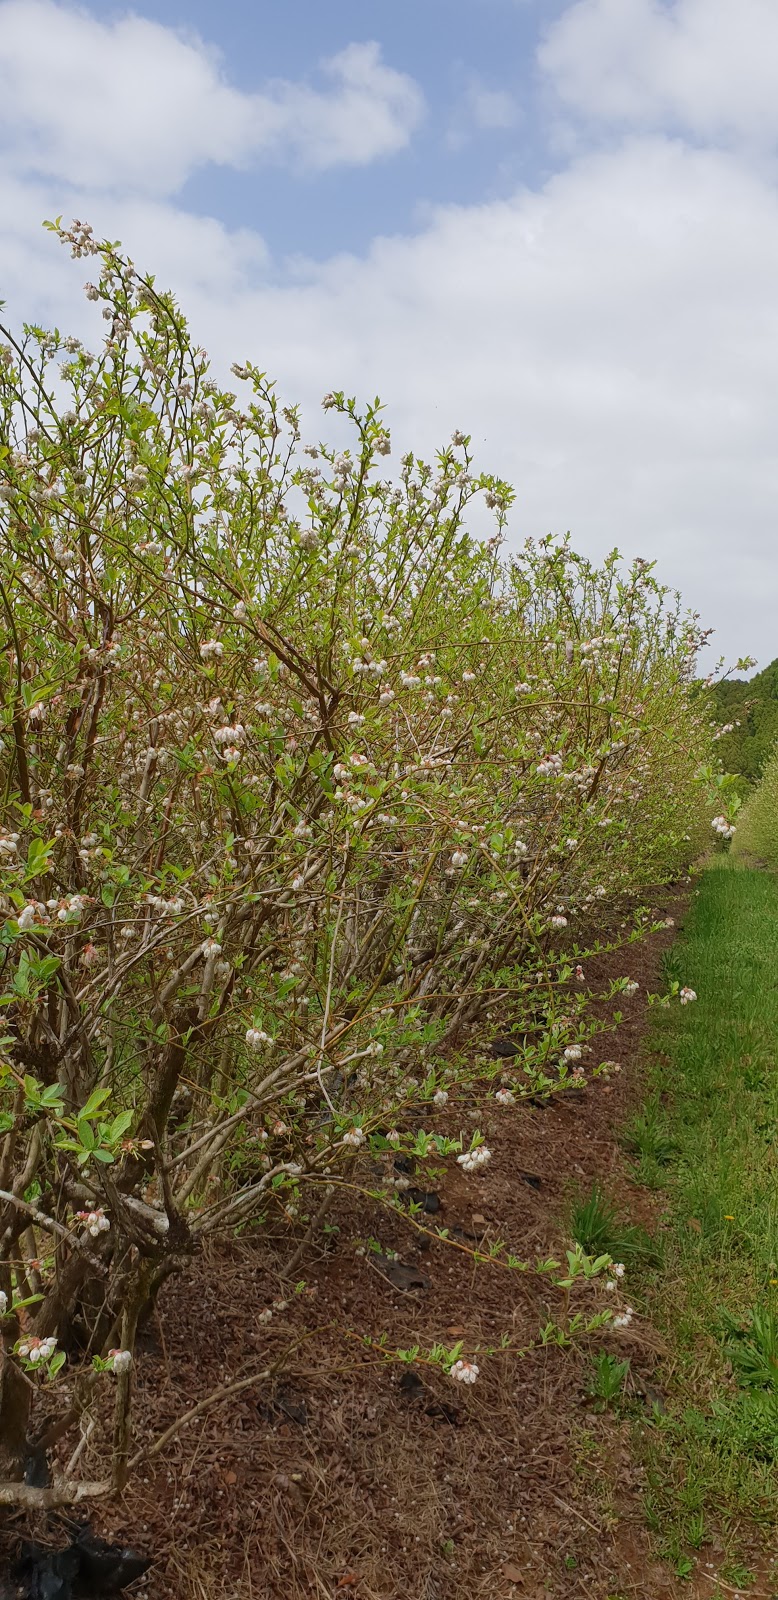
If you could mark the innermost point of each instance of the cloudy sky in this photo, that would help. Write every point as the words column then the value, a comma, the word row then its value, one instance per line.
column 553, row 225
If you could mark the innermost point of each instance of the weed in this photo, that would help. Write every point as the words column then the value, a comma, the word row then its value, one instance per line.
column 647, row 1135
column 753, row 1348
column 608, row 1378
column 597, row 1227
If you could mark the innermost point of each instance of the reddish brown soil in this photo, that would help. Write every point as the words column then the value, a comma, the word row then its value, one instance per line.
column 333, row 1479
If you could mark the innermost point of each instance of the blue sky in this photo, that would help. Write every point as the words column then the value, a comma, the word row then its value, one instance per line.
column 452, row 48
column 552, row 223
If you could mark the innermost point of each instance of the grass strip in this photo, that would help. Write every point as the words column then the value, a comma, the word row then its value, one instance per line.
column 708, row 1137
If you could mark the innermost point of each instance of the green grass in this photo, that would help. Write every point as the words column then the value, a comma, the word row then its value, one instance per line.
column 708, row 1136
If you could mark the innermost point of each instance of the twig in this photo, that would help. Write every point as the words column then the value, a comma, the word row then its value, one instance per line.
column 148, row 1452
column 320, row 1212
column 52, row 1226
column 62, row 1492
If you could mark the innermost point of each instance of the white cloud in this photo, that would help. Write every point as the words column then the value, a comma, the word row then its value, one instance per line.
column 709, row 66
column 133, row 104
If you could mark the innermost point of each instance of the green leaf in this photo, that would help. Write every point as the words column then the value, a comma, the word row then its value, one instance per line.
column 96, row 1099
column 105, row 1156
column 52, row 1095
column 86, row 1134
column 119, row 1126
column 56, row 1363
column 38, row 855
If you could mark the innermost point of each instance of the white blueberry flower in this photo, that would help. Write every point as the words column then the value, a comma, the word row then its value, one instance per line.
column 464, row 1371
column 36, row 1350
column 256, row 1039
column 559, row 921
column 29, row 916
column 473, row 1160
column 440, row 1097
column 505, row 1097
column 355, row 1138
column 96, row 1222
column 459, row 858
column 631, row 987
column 3, row 1302
column 687, row 996
column 121, row 1360
column 573, row 1052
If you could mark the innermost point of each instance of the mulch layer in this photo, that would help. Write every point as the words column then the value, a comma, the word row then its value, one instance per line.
column 348, row 1474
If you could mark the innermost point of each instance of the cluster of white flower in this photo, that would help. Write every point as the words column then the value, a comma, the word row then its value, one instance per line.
column 459, row 859
column 687, row 995
column 440, row 1097
column 211, row 647
column 377, row 668
column 355, row 1138
column 724, row 829
column 559, row 921
column 229, row 734
column 8, row 845
column 256, row 1039
column 3, row 1302
column 121, row 1360
column 473, row 1160
column 36, row 1350
column 464, row 1371
column 630, row 986
column 550, row 766
column 95, row 1221
column 573, row 1052
column 168, row 908
column 33, row 915
column 624, row 1318
column 71, row 909
column 505, row 1097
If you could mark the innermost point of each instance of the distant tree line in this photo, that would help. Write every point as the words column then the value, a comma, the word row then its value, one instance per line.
column 751, row 707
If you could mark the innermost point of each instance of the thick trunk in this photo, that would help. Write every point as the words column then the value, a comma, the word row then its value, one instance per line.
column 15, row 1398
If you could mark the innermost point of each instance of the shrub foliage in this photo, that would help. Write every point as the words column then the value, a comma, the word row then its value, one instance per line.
column 300, row 778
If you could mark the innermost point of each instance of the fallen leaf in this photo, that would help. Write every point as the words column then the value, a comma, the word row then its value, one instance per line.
column 479, row 1221
column 455, row 1333
column 348, row 1580
column 512, row 1573
column 697, row 1226
column 230, row 1477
